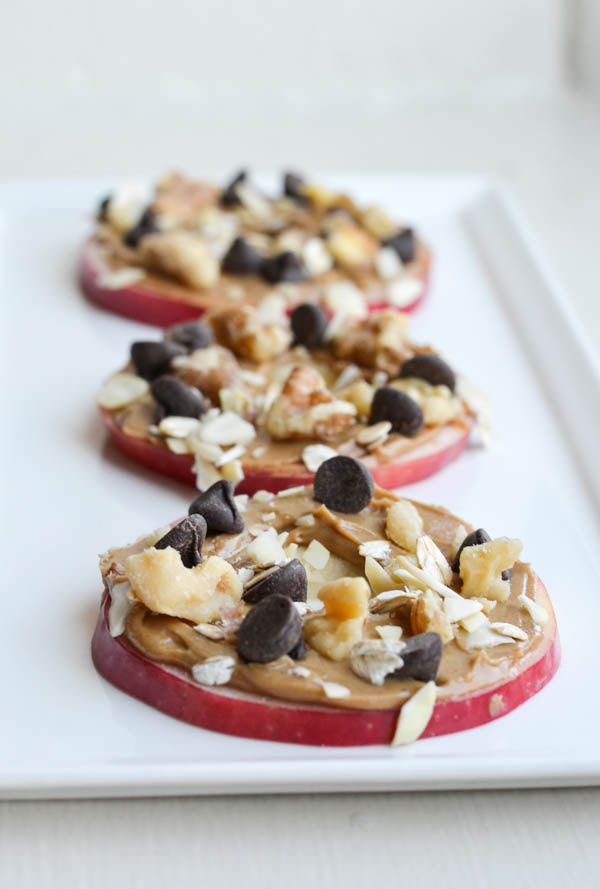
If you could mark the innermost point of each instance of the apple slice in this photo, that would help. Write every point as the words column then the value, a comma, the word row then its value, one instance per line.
column 423, row 461
column 236, row 713
column 168, row 306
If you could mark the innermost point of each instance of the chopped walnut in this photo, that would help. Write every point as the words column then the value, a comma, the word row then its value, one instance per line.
column 307, row 410
column 182, row 255
column 241, row 329
column 181, row 199
column 379, row 342
column 209, row 370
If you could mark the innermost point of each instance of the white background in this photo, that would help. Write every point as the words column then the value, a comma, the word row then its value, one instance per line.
column 509, row 88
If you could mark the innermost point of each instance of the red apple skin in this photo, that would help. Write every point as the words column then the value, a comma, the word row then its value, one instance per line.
column 144, row 304
column 270, row 720
column 389, row 476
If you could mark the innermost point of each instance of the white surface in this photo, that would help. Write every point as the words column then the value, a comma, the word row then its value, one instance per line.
column 271, row 50
column 527, row 485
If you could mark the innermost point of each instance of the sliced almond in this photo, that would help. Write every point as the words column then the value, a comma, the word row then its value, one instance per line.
column 117, row 279
column 380, row 550
column 333, row 689
column 431, row 559
column 388, row 264
column 379, row 579
column 227, row 429
column 316, row 555
column 266, row 550
column 178, row 427
column 314, row 455
column 537, row 612
column 216, row 670
column 120, row 390
column 457, row 608
column 389, row 632
column 511, row 630
column 404, row 291
column 374, row 433
column 415, row 715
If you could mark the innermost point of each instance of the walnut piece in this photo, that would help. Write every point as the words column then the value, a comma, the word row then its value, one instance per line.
column 307, row 410
column 209, row 370
column 182, row 255
column 379, row 342
column 241, row 329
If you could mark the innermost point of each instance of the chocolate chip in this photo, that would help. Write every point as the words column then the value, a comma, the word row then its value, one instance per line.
column 242, row 259
column 404, row 243
column 344, row 484
column 270, row 630
column 103, row 208
column 299, row 652
column 151, row 359
column 430, row 368
column 219, row 508
column 285, row 266
column 187, row 538
column 398, row 408
column 309, row 323
column 191, row 334
column 475, row 538
column 293, row 187
column 289, row 580
column 229, row 196
column 177, row 398
column 147, row 225
column 421, row 655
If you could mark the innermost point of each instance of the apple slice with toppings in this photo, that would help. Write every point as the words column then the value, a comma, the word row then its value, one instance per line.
column 154, row 300
column 237, row 713
column 285, row 632
column 423, row 460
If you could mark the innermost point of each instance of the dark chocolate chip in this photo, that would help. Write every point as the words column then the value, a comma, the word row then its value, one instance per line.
column 398, row 408
column 344, row 484
column 289, row 580
column 285, row 266
column 229, row 196
column 219, row 508
column 430, row 368
column 191, row 334
column 187, row 538
column 475, row 538
column 242, row 259
column 421, row 655
column 404, row 243
column 271, row 629
column 146, row 225
column 178, row 398
column 299, row 652
column 309, row 323
column 151, row 359
column 103, row 208
column 293, row 187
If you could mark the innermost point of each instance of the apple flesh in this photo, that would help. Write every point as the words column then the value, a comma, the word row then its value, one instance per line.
column 424, row 461
column 142, row 303
column 235, row 713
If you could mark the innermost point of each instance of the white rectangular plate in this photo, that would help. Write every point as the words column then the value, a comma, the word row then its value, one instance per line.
column 68, row 495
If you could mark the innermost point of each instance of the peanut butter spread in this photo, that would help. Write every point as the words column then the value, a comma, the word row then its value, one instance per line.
column 180, row 240
column 464, row 670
